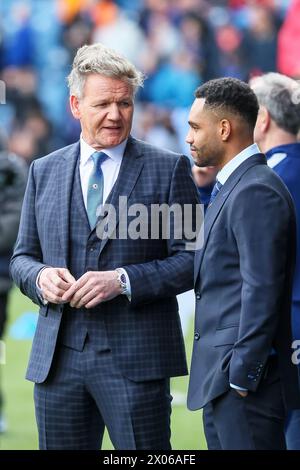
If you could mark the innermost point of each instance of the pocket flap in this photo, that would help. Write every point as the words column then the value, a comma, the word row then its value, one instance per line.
column 226, row 335
column 44, row 310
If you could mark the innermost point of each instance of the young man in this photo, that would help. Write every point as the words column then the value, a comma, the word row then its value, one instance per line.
column 242, row 372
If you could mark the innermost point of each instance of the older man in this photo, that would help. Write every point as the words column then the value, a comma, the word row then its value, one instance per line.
column 276, row 130
column 108, row 337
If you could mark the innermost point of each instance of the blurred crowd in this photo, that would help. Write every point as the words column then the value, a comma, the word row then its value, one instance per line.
column 177, row 43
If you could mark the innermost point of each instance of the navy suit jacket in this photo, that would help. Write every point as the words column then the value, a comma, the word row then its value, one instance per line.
column 243, row 284
column 145, row 334
column 289, row 170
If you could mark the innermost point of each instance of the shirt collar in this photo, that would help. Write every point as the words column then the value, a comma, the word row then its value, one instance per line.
column 115, row 153
column 232, row 165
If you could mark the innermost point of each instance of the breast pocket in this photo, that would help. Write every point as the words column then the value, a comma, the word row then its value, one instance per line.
column 226, row 336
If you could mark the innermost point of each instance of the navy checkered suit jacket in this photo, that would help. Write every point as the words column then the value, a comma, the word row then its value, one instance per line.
column 145, row 334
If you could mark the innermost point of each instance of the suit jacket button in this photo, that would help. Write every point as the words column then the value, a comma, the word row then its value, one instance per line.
column 197, row 336
column 198, row 295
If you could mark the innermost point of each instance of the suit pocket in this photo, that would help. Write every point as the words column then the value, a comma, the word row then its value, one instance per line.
column 44, row 310
column 226, row 336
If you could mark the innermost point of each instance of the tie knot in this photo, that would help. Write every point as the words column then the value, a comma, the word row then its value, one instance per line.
column 215, row 191
column 218, row 185
column 99, row 158
column 216, row 188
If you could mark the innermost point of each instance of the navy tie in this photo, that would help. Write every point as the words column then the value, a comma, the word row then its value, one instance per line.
column 217, row 187
column 95, row 188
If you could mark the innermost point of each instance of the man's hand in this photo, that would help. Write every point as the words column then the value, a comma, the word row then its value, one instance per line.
column 54, row 282
column 93, row 288
column 204, row 176
column 241, row 392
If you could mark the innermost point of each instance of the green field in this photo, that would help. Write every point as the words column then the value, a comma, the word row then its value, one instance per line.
column 187, row 431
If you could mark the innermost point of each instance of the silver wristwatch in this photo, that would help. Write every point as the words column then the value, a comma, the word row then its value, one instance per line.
column 122, row 280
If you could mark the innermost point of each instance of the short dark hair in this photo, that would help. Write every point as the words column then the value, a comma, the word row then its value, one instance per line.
column 232, row 94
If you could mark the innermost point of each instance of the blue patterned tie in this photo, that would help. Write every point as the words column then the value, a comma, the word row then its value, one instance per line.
column 95, row 188
column 215, row 191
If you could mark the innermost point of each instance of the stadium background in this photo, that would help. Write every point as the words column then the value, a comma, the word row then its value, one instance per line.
column 178, row 44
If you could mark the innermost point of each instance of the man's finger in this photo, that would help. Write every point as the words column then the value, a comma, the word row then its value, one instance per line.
column 75, row 287
column 85, row 290
column 94, row 302
column 58, row 282
column 68, row 294
column 67, row 276
column 52, row 298
column 85, row 299
column 56, row 291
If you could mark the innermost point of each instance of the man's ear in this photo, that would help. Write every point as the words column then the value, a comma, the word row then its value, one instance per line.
column 74, row 105
column 225, row 129
column 264, row 119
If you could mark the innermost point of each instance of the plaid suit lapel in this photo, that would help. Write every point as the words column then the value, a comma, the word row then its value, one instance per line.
column 130, row 170
column 64, row 180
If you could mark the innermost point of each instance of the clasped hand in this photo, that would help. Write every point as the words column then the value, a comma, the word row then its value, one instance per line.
column 58, row 286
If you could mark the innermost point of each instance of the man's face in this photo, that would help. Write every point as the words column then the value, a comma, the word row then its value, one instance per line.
column 105, row 111
column 204, row 136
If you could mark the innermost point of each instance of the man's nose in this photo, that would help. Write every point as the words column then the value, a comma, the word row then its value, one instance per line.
column 189, row 139
column 114, row 113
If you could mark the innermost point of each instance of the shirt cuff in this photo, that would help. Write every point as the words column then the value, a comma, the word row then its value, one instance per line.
column 128, row 287
column 38, row 289
column 236, row 387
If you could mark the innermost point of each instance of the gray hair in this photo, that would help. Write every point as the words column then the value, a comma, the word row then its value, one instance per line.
column 281, row 96
column 100, row 59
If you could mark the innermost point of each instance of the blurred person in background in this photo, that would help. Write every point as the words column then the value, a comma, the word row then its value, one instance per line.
column 13, row 176
column 205, row 178
column 260, row 41
column 276, row 130
column 154, row 124
column 18, row 44
column 198, row 37
column 288, row 57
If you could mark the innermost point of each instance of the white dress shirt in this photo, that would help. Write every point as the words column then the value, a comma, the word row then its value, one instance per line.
column 110, row 168
column 233, row 164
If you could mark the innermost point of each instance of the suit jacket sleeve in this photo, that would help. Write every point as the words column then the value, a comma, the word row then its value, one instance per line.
column 26, row 260
column 174, row 274
column 263, row 225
